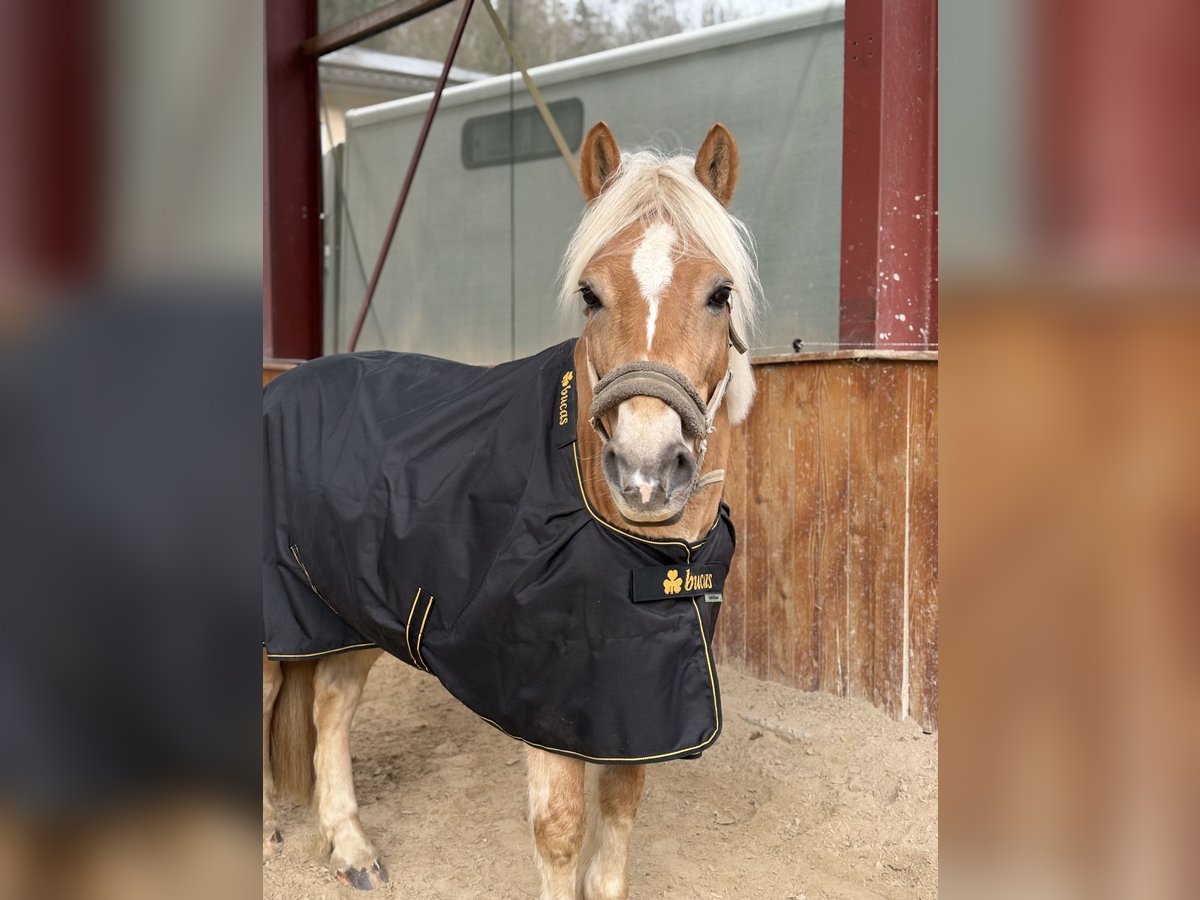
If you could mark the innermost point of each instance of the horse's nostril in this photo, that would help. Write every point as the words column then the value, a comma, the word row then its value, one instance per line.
column 680, row 469
column 611, row 464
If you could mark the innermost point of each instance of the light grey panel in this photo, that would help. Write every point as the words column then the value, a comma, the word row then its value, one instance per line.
column 446, row 289
column 782, row 98
column 466, row 255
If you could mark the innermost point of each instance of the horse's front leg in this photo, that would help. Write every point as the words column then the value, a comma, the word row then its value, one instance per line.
column 337, row 688
column 618, row 793
column 556, row 814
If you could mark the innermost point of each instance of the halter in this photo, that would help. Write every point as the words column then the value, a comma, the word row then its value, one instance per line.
column 650, row 378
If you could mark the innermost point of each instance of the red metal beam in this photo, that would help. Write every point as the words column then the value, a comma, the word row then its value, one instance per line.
column 889, row 175
column 292, row 265
column 1116, row 186
column 53, row 159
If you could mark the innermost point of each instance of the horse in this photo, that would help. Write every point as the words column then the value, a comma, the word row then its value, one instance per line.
column 666, row 280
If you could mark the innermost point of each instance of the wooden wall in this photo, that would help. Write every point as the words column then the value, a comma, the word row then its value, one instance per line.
column 833, row 488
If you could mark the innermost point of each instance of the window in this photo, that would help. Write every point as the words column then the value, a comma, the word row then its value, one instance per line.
column 500, row 139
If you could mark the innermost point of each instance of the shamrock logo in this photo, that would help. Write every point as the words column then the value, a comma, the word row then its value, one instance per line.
column 566, row 381
column 672, row 583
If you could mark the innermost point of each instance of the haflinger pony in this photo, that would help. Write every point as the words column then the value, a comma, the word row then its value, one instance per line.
column 560, row 574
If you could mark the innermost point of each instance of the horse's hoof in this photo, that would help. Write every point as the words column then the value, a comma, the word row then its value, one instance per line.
column 271, row 843
column 366, row 879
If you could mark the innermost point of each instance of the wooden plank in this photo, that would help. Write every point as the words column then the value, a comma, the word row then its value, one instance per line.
column 862, row 528
column 923, row 549
column 804, row 508
column 833, row 468
column 273, row 368
column 760, row 507
column 890, row 418
column 731, row 632
column 389, row 15
column 779, row 482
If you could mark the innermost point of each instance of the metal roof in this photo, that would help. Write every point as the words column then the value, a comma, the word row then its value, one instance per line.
column 374, row 68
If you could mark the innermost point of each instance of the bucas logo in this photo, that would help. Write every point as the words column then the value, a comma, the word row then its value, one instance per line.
column 673, row 584
column 562, row 397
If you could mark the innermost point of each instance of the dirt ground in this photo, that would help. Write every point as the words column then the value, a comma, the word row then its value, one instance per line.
column 804, row 797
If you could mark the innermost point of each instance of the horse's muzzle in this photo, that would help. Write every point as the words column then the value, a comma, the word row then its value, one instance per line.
column 650, row 488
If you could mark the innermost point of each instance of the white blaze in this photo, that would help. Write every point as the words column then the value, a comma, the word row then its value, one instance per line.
column 653, row 266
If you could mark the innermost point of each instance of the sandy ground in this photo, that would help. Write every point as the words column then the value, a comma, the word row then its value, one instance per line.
column 804, row 797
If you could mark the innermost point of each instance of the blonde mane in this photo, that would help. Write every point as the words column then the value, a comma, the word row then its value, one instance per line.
column 648, row 187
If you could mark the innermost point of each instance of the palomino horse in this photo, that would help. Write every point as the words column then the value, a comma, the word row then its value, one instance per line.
column 667, row 283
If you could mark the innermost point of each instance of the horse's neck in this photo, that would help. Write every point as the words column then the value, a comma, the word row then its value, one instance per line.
column 699, row 513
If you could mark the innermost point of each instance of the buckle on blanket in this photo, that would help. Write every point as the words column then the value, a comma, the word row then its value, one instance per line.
column 702, row 580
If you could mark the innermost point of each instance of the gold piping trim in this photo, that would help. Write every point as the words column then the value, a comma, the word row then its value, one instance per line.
column 668, row 543
column 607, row 759
column 271, row 655
column 711, row 528
column 295, row 548
column 635, row 759
column 407, row 645
column 303, row 568
column 708, row 662
column 421, row 633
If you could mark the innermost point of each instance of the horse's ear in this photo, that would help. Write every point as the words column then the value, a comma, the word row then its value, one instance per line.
column 598, row 160
column 717, row 163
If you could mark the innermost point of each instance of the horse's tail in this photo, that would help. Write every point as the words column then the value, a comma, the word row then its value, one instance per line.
column 293, row 734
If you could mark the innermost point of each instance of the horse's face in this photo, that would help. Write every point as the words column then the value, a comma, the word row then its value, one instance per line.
column 648, row 297
column 652, row 294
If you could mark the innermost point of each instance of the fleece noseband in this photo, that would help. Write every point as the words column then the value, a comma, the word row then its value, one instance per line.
column 649, row 378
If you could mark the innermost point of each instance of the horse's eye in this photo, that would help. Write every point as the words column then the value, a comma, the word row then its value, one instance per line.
column 590, row 300
column 719, row 298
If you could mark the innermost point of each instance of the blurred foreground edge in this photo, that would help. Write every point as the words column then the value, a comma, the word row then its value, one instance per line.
column 129, row 537
column 1070, row 524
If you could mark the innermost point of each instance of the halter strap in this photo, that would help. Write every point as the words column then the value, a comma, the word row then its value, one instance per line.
column 716, row 476
column 735, row 339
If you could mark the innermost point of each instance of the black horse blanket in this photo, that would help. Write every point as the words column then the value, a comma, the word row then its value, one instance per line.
column 436, row 510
